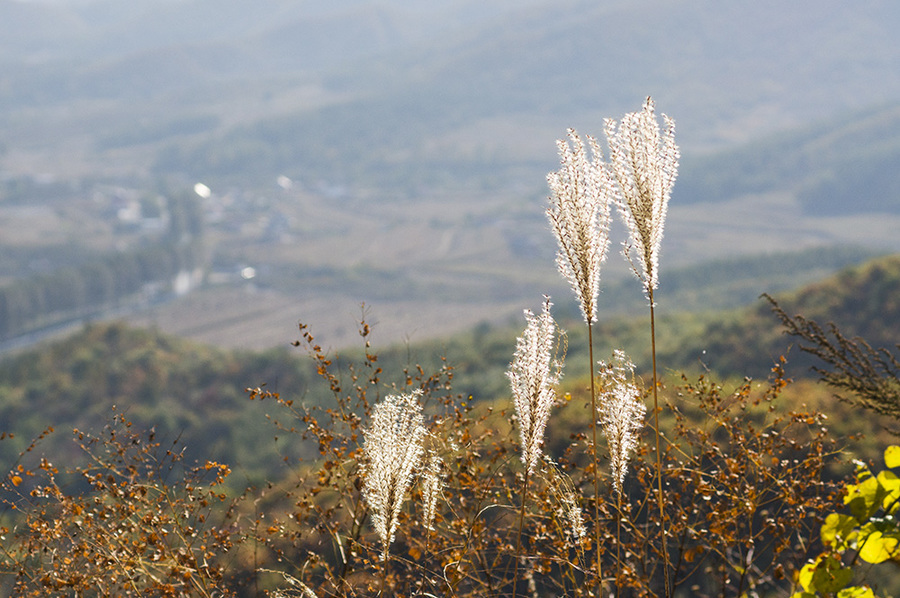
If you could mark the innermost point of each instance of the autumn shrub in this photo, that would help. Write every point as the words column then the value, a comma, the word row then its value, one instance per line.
column 746, row 489
column 744, row 478
column 132, row 520
column 737, row 484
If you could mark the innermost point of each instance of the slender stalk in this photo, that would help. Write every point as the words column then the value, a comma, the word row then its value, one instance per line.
column 384, row 575
column 618, row 544
column 521, row 526
column 485, row 566
column 596, row 463
column 425, row 579
column 352, row 537
column 659, row 483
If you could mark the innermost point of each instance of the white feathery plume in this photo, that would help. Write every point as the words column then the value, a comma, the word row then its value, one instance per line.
column 533, row 376
column 573, row 512
column 644, row 166
column 621, row 413
column 580, row 195
column 567, row 496
column 393, row 448
column 432, row 482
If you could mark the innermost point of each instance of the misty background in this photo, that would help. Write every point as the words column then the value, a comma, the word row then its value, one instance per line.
column 222, row 169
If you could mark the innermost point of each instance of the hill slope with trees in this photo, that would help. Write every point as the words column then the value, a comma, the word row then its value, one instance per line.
column 197, row 395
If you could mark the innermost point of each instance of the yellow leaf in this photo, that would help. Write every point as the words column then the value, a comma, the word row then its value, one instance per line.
column 806, row 574
column 877, row 548
column 891, row 483
column 838, row 529
column 892, row 456
column 856, row 592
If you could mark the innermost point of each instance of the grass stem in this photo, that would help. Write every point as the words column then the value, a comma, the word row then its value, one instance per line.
column 659, row 472
column 521, row 527
column 595, row 462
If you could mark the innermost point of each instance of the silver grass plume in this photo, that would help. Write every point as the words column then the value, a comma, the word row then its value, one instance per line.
column 302, row 590
column 432, row 483
column 621, row 413
column 581, row 192
column 533, row 376
column 567, row 496
column 644, row 165
column 393, row 447
column 573, row 511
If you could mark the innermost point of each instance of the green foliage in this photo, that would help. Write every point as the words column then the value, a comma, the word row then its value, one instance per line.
column 189, row 393
column 869, row 533
column 861, row 300
column 734, row 342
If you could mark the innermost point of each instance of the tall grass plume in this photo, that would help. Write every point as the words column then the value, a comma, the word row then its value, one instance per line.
column 621, row 414
column 581, row 193
column 393, row 449
column 533, row 376
column 644, row 164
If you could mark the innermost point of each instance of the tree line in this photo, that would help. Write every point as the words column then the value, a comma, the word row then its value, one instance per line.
column 81, row 290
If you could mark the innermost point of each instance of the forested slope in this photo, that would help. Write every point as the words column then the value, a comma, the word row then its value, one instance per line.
column 197, row 395
column 192, row 395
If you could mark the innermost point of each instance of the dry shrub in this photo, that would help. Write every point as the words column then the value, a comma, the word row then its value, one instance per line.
column 134, row 520
column 745, row 488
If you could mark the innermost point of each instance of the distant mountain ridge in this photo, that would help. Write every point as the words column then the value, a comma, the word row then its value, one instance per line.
column 843, row 166
column 414, row 138
column 438, row 79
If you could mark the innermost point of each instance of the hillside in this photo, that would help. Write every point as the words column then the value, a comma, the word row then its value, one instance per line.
column 192, row 395
column 195, row 395
column 861, row 301
column 834, row 168
column 747, row 341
